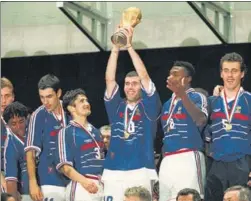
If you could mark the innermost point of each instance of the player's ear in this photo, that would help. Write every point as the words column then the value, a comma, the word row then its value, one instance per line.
column 70, row 108
column 59, row 93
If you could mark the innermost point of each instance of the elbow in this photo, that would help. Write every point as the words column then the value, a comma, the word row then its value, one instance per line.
column 201, row 121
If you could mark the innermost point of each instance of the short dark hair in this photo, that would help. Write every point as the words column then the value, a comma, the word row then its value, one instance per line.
column 15, row 109
column 70, row 96
column 188, row 191
column 244, row 193
column 49, row 81
column 5, row 196
column 233, row 57
column 187, row 66
column 132, row 74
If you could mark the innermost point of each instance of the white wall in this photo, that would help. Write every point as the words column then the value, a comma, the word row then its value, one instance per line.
column 35, row 28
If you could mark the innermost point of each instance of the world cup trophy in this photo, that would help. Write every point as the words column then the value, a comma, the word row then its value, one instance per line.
column 130, row 18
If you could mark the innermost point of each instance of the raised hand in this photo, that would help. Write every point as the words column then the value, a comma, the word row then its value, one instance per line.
column 217, row 90
column 176, row 86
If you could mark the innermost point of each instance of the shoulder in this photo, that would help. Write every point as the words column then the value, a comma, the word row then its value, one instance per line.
column 40, row 111
column 247, row 94
column 197, row 95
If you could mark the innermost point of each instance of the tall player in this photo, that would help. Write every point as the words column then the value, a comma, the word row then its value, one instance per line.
column 130, row 158
column 80, row 150
column 7, row 97
column 45, row 182
column 229, row 130
column 15, row 115
column 183, row 117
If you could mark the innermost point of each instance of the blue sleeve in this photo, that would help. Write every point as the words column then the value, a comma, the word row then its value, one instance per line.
column 151, row 102
column 201, row 102
column 65, row 150
column 112, row 103
column 11, row 160
column 35, row 132
column 3, row 138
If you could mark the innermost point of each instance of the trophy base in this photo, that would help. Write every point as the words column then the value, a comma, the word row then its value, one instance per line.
column 119, row 39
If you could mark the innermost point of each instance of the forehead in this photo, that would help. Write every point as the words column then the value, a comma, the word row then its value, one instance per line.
column 230, row 65
column 46, row 92
column 177, row 69
column 6, row 90
column 232, row 194
column 16, row 118
column 81, row 96
column 185, row 197
column 132, row 79
column 106, row 133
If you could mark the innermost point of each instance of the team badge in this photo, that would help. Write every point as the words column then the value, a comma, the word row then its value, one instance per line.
column 238, row 109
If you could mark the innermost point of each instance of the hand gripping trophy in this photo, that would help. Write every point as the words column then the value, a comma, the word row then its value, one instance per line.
column 130, row 18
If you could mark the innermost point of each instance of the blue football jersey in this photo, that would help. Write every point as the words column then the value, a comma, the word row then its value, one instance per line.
column 229, row 141
column 180, row 131
column 3, row 138
column 15, row 162
column 42, row 137
column 81, row 148
column 132, row 130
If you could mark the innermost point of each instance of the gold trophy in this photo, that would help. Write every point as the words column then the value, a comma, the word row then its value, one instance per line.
column 130, row 18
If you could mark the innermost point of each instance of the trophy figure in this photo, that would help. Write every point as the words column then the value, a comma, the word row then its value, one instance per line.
column 130, row 18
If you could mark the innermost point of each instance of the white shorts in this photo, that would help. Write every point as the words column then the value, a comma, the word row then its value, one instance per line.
column 116, row 184
column 53, row 193
column 75, row 192
column 26, row 198
column 179, row 170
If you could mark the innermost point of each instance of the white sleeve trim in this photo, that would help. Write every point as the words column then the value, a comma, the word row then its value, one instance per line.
column 114, row 91
column 151, row 88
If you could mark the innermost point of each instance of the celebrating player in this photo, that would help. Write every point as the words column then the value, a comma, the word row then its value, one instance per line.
column 44, row 125
column 15, row 115
column 229, row 130
column 183, row 116
column 80, row 150
column 130, row 158
column 7, row 97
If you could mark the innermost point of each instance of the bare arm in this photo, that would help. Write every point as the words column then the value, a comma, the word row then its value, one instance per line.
column 35, row 191
column 136, row 60
column 71, row 173
column 12, row 189
column 140, row 68
column 111, row 70
column 3, row 182
column 197, row 115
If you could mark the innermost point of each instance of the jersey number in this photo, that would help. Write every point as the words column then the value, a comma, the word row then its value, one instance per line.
column 97, row 151
column 131, row 127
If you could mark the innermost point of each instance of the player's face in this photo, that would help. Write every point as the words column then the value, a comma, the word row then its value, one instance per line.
column 185, row 197
column 132, row 88
column 7, row 97
column 82, row 106
column 132, row 198
column 231, row 196
column 177, row 73
column 49, row 98
column 17, row 125
column 106, row 135
column 231, row 74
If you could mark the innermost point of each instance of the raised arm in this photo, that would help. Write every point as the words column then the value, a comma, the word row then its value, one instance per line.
column 137, row 62
column 111, row 68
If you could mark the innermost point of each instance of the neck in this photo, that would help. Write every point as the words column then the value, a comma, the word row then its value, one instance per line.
column 58, row 109
column 81, row 120
column 231, row 93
